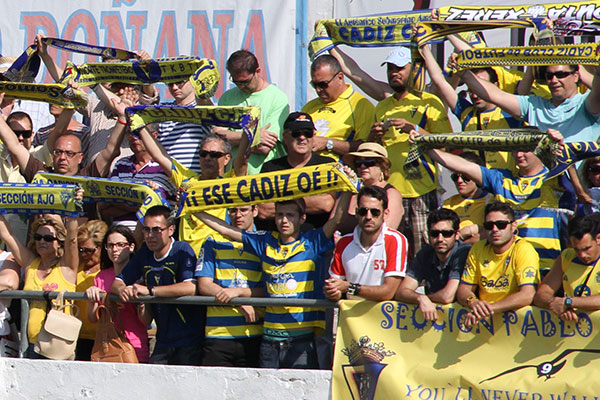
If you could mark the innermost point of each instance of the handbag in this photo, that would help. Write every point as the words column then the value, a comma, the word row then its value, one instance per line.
column 111, row 344
column 58, row 338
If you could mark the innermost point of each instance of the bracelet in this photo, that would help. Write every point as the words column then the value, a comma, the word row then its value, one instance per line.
column 121, row 122
column 470, row 300
column 152, row 291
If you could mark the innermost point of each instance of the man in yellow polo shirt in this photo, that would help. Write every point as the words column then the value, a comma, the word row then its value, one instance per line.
column 501, row 272
column 577, row 271
column 342, row 116
column 396, row 116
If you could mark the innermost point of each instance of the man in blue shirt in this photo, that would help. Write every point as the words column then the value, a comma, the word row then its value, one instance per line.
column 167, row 269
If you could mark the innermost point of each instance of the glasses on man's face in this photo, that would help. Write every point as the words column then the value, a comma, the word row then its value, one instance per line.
column 88, row 250
column 47, row 238
column 444, row 232
column 25, row 133
column 558, row 74
column 242, row 82
column 306, row 133
column 67, row 153
column 146, row 230
column 594, row 169
column 362, row 211
column 117, row 245
column 365, row 162
column 178, row 84
column 212, row 154
column 500, row 224
column 323, row 84
column 455, row 177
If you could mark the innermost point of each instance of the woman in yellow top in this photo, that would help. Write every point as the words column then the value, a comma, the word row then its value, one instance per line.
column 50, row 260
column 89, row 241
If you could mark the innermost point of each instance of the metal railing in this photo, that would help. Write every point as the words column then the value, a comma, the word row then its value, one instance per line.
column 25, row 296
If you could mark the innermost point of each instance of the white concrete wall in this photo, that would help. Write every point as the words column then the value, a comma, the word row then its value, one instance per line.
column 58, row 380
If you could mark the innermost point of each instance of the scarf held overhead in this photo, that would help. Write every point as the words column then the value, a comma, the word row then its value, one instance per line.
column 33, row 198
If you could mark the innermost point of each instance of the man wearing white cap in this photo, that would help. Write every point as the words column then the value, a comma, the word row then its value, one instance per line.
column 342, row 116
column 396, row 116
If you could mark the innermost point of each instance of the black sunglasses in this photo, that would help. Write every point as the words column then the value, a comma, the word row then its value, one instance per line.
column 594, row 169
column 306, row 133
column 455, row 177
column 365, row 162
column 558, row 74
column 26, row 133
column 501, row 224
column 212, row 154
column 445, row 233
column 362, row 211
column 323, row 84
column 47, row 238
column 88, row 250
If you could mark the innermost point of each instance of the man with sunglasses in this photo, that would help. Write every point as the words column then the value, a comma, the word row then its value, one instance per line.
column 396, row 116
column 226, row 271
column 438, row 264
column 370, row 262
column 251, row 89
column 166, row 267
column 298, row 138
column 576, row 271
column 343, row 117
column 501, row 272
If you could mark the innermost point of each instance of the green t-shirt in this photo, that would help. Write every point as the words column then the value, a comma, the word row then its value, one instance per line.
column 274, row 109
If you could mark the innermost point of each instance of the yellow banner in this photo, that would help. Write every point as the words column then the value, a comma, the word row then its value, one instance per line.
column 110, row 191
column 388, row 351
column 264, row 188
column 376, row 31
column 588, row 11
column 582, row 54
column 33, row 199
column 53, row 93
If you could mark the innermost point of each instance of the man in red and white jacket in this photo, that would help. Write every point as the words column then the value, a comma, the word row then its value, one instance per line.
column 370, row 262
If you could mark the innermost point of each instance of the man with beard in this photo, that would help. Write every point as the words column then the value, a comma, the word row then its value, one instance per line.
column 370, row 262
column 439, row 264
column 397, row 115
column 501, row 272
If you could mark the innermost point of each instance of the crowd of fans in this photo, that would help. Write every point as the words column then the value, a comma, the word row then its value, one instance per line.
column 486, row 247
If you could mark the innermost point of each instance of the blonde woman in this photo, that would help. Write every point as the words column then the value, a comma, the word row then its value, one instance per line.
column 50, row 260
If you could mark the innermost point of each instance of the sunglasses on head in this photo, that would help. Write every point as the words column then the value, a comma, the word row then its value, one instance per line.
column 26, row 133
column 445, row 233
column 46, row 238
column 212, row 154
column 365, row 162
column 594, row 169
column 558, row 74
column 306, row 133
column 455, row 177
column 362, row 211
column 500, row 224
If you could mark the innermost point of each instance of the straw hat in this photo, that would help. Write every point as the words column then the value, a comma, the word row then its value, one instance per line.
column 367, row 150
column 6, row 62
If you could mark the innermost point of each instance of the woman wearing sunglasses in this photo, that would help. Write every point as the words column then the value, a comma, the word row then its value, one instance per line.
column 590, row 178
column 89, row 241
column 117, row 248
column 372, row 165
column 50, row 261
column 469, row 203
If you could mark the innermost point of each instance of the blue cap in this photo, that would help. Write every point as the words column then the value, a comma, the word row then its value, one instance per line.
column 400, row 56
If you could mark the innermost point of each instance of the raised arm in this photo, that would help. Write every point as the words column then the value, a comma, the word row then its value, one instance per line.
column 445, row 90
column 240, row 162
column 457, row 164
column 20, row 252
column 593, row 100
column 53, row 69
column 491, row 93
column 221, row 226
column 71, row 256
column 156, row 151
column 378, row 90
column 340, row 210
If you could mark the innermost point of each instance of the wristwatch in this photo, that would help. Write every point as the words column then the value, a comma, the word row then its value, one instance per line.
column 353, row 289
column 329, row 145
column 568, row 303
